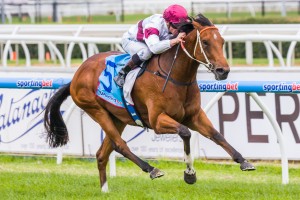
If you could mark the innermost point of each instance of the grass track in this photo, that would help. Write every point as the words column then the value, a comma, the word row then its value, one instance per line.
column 40, row 178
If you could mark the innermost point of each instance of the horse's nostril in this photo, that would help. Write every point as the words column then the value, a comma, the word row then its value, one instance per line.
column 220, row 71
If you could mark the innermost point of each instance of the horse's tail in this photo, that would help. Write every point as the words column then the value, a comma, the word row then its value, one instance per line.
column 57, row 133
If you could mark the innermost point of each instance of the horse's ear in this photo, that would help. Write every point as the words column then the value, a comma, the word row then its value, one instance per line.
column 202, row 20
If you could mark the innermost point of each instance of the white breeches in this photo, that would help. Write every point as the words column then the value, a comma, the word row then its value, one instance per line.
column 136, row 47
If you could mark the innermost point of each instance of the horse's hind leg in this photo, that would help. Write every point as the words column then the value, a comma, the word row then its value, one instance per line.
column 165, row 124
column 102, row 156
column 104, row 119
column 204, row 126
column 123, row 149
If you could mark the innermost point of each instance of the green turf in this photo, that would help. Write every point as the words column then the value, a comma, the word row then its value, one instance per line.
column 40, row 178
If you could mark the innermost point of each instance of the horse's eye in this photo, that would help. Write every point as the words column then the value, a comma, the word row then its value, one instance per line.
column 205, row 43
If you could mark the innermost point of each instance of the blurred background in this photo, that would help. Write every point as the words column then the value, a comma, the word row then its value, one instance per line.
column 115, row 11
column 110, row 18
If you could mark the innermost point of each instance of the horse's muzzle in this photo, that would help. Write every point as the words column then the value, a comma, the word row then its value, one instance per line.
column 221, row 74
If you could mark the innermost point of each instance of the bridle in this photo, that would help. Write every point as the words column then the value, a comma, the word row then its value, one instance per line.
column 208, row 64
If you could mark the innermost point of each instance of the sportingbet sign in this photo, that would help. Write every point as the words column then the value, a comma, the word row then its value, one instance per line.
column 236, row 115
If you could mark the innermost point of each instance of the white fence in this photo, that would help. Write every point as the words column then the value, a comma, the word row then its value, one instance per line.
column 88, row 36
column 65, row 8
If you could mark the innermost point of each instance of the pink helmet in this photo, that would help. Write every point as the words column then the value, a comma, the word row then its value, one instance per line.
column 175, row 14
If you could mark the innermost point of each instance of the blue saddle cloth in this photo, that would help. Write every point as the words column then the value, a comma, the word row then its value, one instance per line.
column 109, row 91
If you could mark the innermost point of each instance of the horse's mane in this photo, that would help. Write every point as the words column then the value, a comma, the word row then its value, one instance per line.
column 187, row 27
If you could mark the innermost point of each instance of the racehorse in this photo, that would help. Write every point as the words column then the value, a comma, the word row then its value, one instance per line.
column 178, row 68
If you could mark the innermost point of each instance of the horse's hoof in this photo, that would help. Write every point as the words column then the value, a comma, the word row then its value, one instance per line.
column 190, row 178
column 156, row 173
column 246, row 166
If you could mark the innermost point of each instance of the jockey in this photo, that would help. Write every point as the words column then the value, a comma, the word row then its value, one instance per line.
column 151, row 36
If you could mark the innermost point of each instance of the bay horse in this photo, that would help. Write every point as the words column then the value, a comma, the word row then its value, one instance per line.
column 203, row 44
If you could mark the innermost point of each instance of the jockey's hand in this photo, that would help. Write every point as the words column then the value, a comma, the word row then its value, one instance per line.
column 180, row 36
column 178, row 39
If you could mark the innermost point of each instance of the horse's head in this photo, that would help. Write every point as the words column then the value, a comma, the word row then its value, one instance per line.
column 205, row 45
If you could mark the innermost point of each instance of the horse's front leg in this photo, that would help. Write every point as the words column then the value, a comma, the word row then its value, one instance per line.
column 165, row 125
column 203, row 125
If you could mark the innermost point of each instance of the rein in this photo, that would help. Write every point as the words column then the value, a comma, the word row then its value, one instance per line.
column 168, row 76
column 208, row 65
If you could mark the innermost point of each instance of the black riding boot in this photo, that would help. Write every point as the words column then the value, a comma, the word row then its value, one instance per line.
column 120, row 78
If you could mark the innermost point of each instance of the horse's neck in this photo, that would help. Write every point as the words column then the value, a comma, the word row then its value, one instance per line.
column 184, row 69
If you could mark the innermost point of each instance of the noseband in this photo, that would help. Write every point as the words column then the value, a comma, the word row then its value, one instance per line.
column 208, row 64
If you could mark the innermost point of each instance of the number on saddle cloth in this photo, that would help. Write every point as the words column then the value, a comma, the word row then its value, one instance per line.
column 108, row 89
